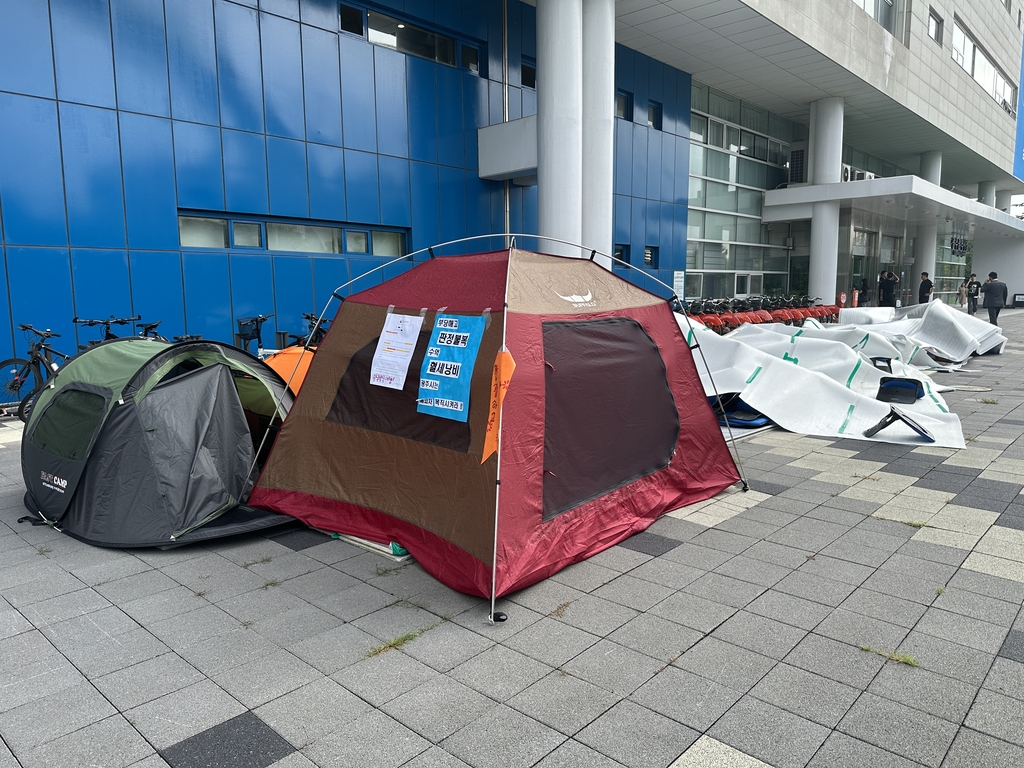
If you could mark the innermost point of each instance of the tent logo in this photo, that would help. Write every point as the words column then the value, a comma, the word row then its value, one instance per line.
column 53, row 482
column 578, row 301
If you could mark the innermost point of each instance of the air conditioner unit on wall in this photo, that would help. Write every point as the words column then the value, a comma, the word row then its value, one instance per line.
column 868, row 175
column 848, row 173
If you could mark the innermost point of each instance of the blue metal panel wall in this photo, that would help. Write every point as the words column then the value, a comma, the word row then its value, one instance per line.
column 238, row 67
column 102, row 288
column 322, row 91
column 392, row 113
column 92, row 176
column 293, row 292
column 197, row 165
column 82, row 51
column 157, row 292
column 282, row 77
column 252, row 292
column 422, row 99
column 245, row 171
column 24, row 267
column 286, row 163
column 357, row 96
column 192, row 60
column 31, row 177
column 26, row 55
column 326, row 182
column 208, row 295
column 147, row 160
column 395, row 201
column 140, row 56
column 287, row 8
column 6, row 337
column 362, row 187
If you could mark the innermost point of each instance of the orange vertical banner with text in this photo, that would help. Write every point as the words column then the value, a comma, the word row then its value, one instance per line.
column 504, row 366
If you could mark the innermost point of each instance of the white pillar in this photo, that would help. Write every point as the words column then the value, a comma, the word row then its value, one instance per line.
column 560, row 122
column 931, row 167
column 598, row 125
column 925, row 246
column 987, row 193
column 827, row 143
column 1004, row 199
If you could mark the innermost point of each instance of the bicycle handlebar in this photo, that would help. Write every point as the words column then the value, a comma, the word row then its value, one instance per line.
column 108, row 322
column 47, row 334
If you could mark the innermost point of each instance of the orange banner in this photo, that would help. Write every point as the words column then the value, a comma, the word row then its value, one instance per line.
column 504, row 366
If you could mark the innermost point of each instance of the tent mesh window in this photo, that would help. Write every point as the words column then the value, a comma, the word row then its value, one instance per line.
column 65, row 428
column 609, row 414
column 358, row 403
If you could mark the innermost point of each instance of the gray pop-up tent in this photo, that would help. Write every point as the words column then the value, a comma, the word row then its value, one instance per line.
column 142, row 443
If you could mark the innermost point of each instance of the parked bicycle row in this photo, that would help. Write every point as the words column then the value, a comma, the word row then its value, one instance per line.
column 21, row 379
column 724, row 315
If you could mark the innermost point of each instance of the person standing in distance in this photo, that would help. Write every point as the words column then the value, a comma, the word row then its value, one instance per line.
column 973, row 291
column 887, row 289
column 924, row 291
column 994, row 292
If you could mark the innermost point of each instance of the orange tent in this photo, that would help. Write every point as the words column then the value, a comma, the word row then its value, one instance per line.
column 291, row 364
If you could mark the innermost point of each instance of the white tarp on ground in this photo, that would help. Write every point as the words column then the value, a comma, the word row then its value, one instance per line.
column 946, row 332
column 816, row 385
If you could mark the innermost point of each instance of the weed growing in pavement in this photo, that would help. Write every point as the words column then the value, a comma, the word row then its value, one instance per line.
column 911, row 523
column 250, row 563
column 383, row 570
column 401, row 640
column 43, row 550
column 989, row 401
column 200, row 592
column 271, row 583
column 940, row 590
column 902, row 658
column 560, row 610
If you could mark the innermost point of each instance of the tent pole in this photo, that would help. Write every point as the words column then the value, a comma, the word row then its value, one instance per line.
column 498, row 616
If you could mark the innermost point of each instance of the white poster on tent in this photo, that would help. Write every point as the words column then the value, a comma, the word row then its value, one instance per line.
column 395, row 346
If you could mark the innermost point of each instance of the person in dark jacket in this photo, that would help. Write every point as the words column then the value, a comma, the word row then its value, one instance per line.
column 973, row 291
column 924, row 291
column 994, row 293
column 887, row 289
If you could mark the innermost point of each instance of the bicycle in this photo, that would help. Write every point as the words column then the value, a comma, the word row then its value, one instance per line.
column 148, row 331
column 108, row 335
column 249, row 329
column 21, row 380
column 315, row 335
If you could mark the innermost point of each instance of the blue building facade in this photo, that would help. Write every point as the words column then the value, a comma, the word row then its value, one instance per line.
column 136, row 134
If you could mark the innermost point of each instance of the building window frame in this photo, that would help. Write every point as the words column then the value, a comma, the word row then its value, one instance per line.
column 935, row 26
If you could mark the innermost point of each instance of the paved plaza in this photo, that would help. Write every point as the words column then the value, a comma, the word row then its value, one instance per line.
column 859, row 606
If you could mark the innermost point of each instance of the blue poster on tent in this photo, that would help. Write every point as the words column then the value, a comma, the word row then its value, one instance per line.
column 448, row 366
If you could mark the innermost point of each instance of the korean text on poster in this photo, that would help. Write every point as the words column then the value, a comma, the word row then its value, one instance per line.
column 394, row 350
column 448, row 366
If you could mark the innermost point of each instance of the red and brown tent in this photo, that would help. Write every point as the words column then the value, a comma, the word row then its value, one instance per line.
column 603, row 428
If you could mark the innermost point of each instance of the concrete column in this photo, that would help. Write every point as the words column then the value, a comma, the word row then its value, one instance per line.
column 931, row 167
column 987, row 193
column 925, row 246
column 1004, row 199
column 827, row 141
column 598, row 125
column 560, row 122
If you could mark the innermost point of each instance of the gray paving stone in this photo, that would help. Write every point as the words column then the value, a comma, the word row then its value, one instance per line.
column 632, row 592
column 760, row 634
column 884, row 607
column 938, row 553
column 148, row 680
column 803, row 693
column 654, row 636
column 898, row 728
column 649, row 543
column 905, row 587
column 548, row 595
column 859, row 630
column 313, row 711
column 978, row 750
column 396, row 621
column 994, row 489
column 789, row 609
column 947, row 657
column 692, row 611
column 1013, row 646
column 165, row 604
column 766, row 512
column 63, row 607
column 777, row 554
column 13, row 623
column 667, row 573
column 438, row 708
column 330, row 651
column 620, row 559
column 564, row 702
column 842, row 751
column 500, row 673
column 692, row 699
column 227, row 651
column 52, row 716
column 815, row 588
column 374, row 739
column 997, row 715
column 572, row 754
column 552, row 642
column 183, row 713
column 242, row 742
column 724, row 589
column 503, row 737
column 836, row 661
column 586, row 576
column 938, row 480
column 831, row 514
column 697, row 556
column 264, row 679
column 924, row 690
column 744, row 526
column 1006, row 677
column 435, row 757
column 724, row 541
column 939, row 573
column 973, row 633
column 991, row 586
column 30, row 669
column 968, row 499
column 977, row 606
column 215, row 577
column 290, row 627
column 261, row 604
column 179, row 632
column 725, row 663
column 636, row 736
column 110, row 742
column 383, row 677
column 94, row 659
column 753, row 570
column 613, row 667
column 674, row 528
column 355, row 601
column 770, row 734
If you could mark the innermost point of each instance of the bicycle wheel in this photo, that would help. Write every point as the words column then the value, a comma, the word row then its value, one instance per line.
column 26, row 404
column 17, row 379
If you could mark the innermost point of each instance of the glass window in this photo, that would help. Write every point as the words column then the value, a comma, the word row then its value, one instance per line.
column 748, row 230
column 721, row 166
column 247, row 235
column 387, row 244
column 303, row 238
column 695, row 225
column 724, row 106
column 752, row 174
column 698, row 127
column 716, row 134
column 698, row 96
column 528, row 73
column 746, row 143
column 408, row 38
column 651, row 256
column 696, row 197
column 471, row 59
column 621, row 252
column 718, row 226
column 748, row 201
column 624, row 105
column 732, row 139
column 697, row 160
column 775, row 285
column 356, row 242
column 774, row 153
column 760, row 147
column 775, row 260
column 741, row 284
column 718, row 256
column 753, row 118
column 721, row 197
column 756, row 284
column 694, row 282
column 694, row 255
column 935, row 26
column 195, row 232
column 352, row 20
column 654, row 115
